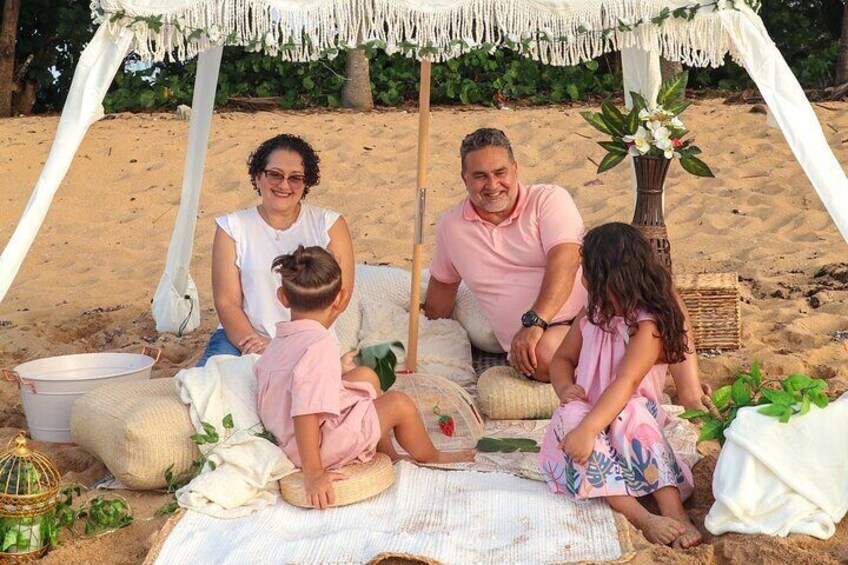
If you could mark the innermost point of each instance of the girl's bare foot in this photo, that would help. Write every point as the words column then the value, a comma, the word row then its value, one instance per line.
column 690, row 537
column 464, row 456
column 659, row 529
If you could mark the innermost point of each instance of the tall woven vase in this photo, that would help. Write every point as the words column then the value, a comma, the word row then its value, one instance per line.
column 648, row 215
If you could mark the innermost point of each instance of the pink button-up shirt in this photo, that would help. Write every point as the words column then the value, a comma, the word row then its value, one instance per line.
column 503, row 265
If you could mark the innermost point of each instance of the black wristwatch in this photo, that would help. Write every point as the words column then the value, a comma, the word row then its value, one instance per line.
column 531, row 318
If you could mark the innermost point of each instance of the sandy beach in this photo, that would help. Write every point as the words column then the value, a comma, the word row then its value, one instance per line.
column 87, row 282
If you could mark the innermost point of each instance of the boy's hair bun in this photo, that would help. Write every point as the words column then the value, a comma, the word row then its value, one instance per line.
column 310, row 277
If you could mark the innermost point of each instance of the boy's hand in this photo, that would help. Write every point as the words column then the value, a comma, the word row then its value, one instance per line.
column 348, row 363
column 319, row 488
column 578, row 444
column 572, row 392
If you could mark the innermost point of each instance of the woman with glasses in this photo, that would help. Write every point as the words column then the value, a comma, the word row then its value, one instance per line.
column 281, row 170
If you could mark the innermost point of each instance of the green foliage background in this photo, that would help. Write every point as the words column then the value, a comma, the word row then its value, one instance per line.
column 806, row 31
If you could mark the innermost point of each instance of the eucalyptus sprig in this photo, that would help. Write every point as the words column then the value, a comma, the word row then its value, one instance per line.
column 649, row 130
column 781, row 398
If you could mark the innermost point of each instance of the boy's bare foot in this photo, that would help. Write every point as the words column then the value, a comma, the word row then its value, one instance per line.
column 464, row 456
column 659, row 529
column 690, row 537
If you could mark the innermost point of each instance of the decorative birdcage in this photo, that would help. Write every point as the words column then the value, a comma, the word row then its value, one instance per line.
column 29, row 485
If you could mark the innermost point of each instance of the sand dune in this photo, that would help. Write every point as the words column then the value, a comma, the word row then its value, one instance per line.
column 88, row 280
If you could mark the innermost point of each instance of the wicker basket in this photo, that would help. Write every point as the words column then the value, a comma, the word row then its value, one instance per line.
column 506, row 395
column 364, row 481
column 713, row 303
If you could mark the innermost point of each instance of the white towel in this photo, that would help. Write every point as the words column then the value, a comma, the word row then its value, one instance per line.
column 247, row 467
column 777, row 479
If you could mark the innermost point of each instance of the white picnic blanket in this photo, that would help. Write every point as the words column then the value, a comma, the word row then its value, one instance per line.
column 777, row 479
column 246, row 467
column 450, row 516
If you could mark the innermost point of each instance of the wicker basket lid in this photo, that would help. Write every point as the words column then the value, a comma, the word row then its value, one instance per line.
column 29, row 482
column 364, row 481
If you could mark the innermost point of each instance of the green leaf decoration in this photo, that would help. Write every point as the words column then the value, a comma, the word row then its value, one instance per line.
column 198, row 439
column 673, row 88
column 756, row 374
column 771, row 410
column 639, row 102
column 227, row 422
column 613, row 118
column 787, row 413
column 712, row 429
column 632, row 121
column 614, row 147
column 382, row 359
column 821, row 400
column 610, row 161
column 677, row 107
column 805, row 404
column 595, row 121
column 740, row 393
column 797, row 382
column 692, row 414
column 9, row 539
column 695, row 166
column 507, row 445
column 778, row 396
column 722, row 396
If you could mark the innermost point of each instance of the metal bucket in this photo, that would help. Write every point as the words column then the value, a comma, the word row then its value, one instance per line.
column 50, row 386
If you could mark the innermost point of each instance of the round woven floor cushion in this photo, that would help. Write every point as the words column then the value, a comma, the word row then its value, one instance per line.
column 506, row 395
column 364, row 481
column 138, row 429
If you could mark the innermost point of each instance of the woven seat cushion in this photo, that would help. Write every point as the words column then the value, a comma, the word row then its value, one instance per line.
column 138, row 429
column 506, row 395
column 364, row 481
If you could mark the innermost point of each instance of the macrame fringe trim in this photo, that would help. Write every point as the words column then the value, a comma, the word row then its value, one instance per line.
column 322, row 28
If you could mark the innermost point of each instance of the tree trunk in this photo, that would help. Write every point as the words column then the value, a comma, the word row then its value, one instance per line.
column 670, row 68
column 842, row 61
column 356, row 92
column 8, row 37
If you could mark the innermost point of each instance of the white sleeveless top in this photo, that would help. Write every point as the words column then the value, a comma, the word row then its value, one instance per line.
column 258, row 244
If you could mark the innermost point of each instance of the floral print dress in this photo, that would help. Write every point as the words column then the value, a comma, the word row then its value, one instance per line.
column 632, row 456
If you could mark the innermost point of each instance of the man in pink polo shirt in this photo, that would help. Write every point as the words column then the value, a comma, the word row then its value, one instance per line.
column 517, row 247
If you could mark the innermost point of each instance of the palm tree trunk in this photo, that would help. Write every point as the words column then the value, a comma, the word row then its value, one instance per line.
column 842, row 61
column 356, row 92
column 8, row 38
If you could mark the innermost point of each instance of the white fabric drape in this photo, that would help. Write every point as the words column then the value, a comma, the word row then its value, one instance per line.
column 791, row 110
column 92, row 77
column 176, row 307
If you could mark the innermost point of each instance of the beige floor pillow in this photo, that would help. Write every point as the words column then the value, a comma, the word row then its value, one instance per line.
column 138, row 429
column 363, row 481
column 506, row 395
column 372, row 281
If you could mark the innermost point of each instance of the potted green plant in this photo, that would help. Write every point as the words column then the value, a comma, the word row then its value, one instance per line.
column 653, row 135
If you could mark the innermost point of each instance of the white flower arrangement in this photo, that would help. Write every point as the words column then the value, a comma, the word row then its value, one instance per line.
column 649, row 130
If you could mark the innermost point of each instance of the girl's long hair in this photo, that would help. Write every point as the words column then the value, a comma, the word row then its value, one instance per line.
column 623, row 277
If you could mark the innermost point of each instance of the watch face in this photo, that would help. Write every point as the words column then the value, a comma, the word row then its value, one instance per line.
column 529, row 319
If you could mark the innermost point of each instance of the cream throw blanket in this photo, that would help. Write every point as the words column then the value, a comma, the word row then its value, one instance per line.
column 777, row 479
column 246, row 467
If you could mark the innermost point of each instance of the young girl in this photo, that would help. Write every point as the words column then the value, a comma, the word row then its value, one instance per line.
column 605, row 439
column 323, row 412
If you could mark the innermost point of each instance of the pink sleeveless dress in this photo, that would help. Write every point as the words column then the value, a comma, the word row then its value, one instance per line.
column 632, row 456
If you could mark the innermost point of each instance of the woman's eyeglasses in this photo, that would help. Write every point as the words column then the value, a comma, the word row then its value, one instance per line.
column 276, row 178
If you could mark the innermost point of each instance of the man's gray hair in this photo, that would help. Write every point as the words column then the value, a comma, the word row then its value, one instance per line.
column 482, row 138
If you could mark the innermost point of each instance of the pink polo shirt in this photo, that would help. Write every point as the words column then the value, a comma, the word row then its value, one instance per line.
column 503, row 265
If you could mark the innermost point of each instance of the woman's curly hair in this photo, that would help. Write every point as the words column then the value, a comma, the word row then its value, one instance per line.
column 623, row 277
column 258, row 160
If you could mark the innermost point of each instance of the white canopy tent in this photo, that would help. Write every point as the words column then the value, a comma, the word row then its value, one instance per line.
column 559, row 32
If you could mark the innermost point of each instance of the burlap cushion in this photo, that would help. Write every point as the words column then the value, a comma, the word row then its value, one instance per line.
column 506, row 395
column 138, row 429
column 363, row 481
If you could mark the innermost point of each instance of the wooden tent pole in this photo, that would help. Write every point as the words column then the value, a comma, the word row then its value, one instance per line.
column 421, row 196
